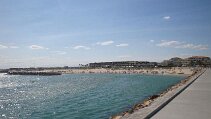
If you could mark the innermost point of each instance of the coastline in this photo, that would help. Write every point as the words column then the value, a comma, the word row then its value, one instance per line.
column 156, row 71
column 144, row 71
column 152, row 104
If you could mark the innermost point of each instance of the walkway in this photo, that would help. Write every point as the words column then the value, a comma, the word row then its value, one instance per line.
column 193, row 103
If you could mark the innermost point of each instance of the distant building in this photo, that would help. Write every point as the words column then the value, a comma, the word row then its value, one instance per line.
column 176, row 61
column 173, row 62
column 186, row 62
column 165, row 63
column 65, row 67
column 123, row 64
column 200, row 61
column 191, row 61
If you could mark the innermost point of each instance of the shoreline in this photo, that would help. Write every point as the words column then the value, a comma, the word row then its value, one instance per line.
column 156, row 71
column 150, row 105
column 145, row 71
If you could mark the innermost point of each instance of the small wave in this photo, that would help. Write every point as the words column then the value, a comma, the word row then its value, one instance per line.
column 8, row 84
column 5, row 75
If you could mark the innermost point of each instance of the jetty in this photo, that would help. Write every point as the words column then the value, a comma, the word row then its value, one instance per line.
column 192, row 103
column 189, row 101
column 33, row 73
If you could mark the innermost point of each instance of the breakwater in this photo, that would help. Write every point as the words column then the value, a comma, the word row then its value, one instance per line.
column 195, row 101
column 33, row 73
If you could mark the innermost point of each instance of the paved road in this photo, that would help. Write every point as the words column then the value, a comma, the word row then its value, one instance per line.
column 193, row 103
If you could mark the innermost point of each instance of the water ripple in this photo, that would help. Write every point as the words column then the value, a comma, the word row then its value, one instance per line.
column 76, row 96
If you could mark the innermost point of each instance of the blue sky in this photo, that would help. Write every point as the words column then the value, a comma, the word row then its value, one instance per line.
column 71, row 32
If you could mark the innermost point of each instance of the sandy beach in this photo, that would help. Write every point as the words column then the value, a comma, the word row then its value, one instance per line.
column 158, row 71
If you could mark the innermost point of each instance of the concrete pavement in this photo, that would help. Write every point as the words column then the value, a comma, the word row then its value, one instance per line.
column 193, row 103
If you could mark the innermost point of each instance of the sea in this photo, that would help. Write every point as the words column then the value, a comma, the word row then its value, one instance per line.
column 77, row 96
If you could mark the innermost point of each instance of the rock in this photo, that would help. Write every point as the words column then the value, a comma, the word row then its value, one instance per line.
column 153, row 97
column 117, row 117
column 146, row 103
column 130, row 111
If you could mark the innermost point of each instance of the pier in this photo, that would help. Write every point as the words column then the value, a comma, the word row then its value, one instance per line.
column 190, row 101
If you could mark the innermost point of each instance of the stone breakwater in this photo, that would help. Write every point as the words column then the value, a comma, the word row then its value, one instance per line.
column 147, row 102
column 33, row 73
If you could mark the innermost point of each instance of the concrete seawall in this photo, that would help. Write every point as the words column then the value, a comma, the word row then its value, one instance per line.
column 157, row 105
column 192, row 103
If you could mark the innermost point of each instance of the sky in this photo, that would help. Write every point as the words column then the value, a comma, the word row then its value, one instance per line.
column 36, row 33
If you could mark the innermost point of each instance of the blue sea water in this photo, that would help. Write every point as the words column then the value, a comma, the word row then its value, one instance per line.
column 76, row 96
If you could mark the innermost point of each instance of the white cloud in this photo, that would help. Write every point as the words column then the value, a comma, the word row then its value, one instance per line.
column 81, row 47
column 37, row 47
column 122, row 45
column 178, row 44
column 3, row 46
column 13, row 47
column 168, row 43
column 166, row 17
column 105, row 43
column 192, row 46
column 60, row 52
